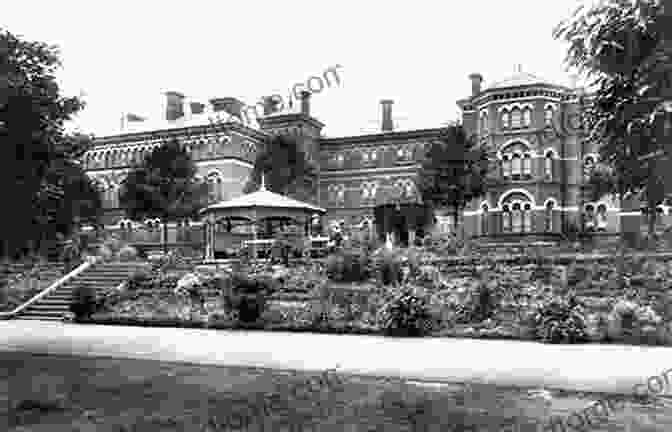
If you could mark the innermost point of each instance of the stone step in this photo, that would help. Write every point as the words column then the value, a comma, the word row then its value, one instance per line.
column 47, row 307
column 44, row 313
column 40, row 318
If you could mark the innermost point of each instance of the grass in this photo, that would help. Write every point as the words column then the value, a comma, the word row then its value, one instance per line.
column 59, row 394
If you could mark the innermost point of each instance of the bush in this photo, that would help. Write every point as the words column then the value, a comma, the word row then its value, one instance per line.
column 389, row 268
column 480, row 305
column 407, row 314
column 348, row 266
column 247, row 296
column 139, row 279
column 630, row 322
column 84, row 302
column 128, row 253
column 560, row 320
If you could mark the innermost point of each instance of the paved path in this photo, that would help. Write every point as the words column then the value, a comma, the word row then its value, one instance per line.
column 594, row 368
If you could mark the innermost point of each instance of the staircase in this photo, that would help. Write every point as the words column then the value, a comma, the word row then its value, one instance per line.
column 102, row 276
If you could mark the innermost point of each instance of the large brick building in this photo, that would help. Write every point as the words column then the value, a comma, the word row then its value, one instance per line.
column 536, row 183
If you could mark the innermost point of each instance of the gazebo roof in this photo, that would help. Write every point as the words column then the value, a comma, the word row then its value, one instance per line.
column 263, row 198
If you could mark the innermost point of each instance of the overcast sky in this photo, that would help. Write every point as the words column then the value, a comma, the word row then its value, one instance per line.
column 124, row 54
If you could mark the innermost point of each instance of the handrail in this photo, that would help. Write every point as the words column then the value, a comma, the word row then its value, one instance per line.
column 89, row 262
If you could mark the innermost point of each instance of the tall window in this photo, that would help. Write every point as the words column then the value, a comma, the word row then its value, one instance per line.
column 588, row 165
column 484, row 219
column 548, row 165
column 527, row 217
column 516, row 165
column 516, row 218
column 601, row 218
column 505, row 120
column 484, row 123
column 516, row 120
column 589, row 217
column 548, row 116
column 527, row 117
column 527, row 165
column 215, row 186
column 548, row 216
column 506, row 218
column 506, row 166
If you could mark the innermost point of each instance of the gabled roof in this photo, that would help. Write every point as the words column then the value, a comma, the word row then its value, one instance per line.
column 266, row 199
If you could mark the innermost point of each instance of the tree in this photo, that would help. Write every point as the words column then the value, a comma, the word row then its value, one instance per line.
column 164, row 186
column 454, row 171
column 283, row 164
column 32, row 116
column 625, row 47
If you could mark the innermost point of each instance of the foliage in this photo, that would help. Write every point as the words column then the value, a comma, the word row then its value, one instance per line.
column 37, row 153
column 84, row 301
column 560, row 320
column 348, row 266
column 480, row 304
column 283, row 164
column 164, row 187
column 388, row 264
column 128, row 253
column 630, row 321
column 407, row 314
column 626, row 47
column 139, row 280
column 454, row 171
column 247, row 296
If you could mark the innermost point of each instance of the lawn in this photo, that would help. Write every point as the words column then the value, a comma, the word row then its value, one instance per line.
column 56, row 393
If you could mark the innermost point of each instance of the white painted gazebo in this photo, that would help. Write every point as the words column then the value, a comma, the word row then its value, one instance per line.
column 254, row 208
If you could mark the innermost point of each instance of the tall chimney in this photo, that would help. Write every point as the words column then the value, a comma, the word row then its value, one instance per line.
column 476, row 81
column 174, row 106
column 270, row 105
column 387, row 125
column 305, row 103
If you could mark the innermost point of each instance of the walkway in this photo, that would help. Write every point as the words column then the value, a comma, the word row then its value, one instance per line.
column 595, row 368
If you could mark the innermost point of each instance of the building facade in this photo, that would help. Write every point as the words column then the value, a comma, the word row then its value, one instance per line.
column 529, row 126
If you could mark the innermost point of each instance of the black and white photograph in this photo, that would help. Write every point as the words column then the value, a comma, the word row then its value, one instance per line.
column 305, row 216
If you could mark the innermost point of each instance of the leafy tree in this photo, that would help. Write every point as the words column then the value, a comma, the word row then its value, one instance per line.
column 454, row 171
column 32, row 116
column 625, row 48
column 164, row 186
column 283, row 164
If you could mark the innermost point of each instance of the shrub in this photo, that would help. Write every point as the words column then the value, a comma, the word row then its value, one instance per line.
column 629, row 321
column 348, row 266
column 105, row 253
column 560, row 320
column 84, row 302
column 389, row 268
column 128, row 253
column 406, row 314
column 480, row 305
column 246, row 295
column 139, row 279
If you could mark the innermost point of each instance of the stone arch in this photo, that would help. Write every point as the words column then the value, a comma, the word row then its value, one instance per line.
column 505, row 197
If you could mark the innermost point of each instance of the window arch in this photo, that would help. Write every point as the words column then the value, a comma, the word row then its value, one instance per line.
column 527, row 117
column 484, row 219
column 527, row 165
column 548, row 165
column 548, row 116
column 336, row 193
column 505, row 119
column 601, row 217
column 214, row 180
column 516, row 118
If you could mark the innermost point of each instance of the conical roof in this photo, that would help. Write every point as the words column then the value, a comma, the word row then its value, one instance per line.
column 266, row 199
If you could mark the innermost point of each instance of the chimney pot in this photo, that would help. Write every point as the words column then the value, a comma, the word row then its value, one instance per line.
column 387, row 125
column 174, row 105
column 305, row 103
column 476, row 81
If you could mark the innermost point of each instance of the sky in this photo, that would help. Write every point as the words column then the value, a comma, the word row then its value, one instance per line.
column 123, row 55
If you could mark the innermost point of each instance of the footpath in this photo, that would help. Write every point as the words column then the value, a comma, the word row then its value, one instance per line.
column 589, row 368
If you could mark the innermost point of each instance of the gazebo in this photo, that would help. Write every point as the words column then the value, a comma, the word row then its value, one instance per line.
column 254, row 208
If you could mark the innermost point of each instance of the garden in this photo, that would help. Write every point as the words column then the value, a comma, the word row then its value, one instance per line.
column 433, row 290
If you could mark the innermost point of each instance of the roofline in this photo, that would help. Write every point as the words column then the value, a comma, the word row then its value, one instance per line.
column 316, row 209
column 418, row 133
column 180, row 132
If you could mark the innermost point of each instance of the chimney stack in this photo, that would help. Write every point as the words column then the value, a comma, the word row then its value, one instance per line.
column 270, row 105
column 387, row 125
column 174, row 106
column 229, row 105
column 305, row 103
column 476, row 81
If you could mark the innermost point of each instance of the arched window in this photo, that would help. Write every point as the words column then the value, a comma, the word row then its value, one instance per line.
column 215, row 186
column 505, row 119
column 506, row 166
column 516, row 218
column 484, row 219
column 548, row 216
column 527, row 117
column 548, row 165
column 548, row 116
column 527, row 165
column 484, row 123
column 589, row 217
column 588, row 165
column 516, row 165
column 601, row 218
column 516, row 120
column 506, row 218
column 527, row 217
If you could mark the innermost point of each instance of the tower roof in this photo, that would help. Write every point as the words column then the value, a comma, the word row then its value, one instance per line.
column 519, row 79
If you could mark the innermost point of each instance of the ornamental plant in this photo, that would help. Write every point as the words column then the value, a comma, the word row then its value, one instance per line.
column 560, row 320
column 406, row 314
column 84, row 302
